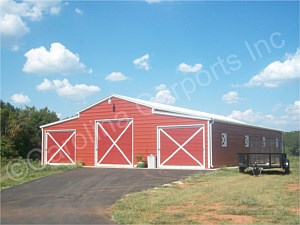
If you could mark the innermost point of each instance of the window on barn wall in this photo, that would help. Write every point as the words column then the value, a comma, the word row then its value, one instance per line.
column 247, row 141
column 263, row 142
column 276, row 143
column 224, row 140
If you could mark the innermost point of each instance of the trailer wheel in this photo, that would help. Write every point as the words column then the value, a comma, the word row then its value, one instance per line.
column 256, row 171
column 287, row 166
column 241, row 169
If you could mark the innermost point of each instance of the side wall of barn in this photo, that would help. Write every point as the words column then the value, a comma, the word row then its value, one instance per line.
column 227, row 156
column 145, row 125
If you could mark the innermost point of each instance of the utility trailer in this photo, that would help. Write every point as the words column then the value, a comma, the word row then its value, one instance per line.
column 264, row 155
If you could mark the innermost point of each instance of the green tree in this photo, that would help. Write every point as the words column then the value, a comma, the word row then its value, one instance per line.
column 9, row 130
column 291, row 140
column 20, row 129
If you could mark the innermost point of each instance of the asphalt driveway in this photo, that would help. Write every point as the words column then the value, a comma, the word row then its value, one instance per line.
column 80, row 196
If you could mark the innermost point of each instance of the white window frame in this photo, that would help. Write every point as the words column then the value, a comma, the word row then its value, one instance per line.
column 263, row 142
column 247, row 141
column 224, row 140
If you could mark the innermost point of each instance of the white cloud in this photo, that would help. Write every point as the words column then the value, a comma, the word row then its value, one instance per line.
column 31, row 9
column 185, row 68
column 142, row 62
column 116, row 76
column 163, row 95
column 277, row 72
column 293, row 112
column 248, row 116
column 294, row 108
column 13, row 15
column 64, row 88
column 59, row 60
column 20, row 98
column 231, row 97
column 46, row 85
column 78, row 11
column 288, row 119
column 12, row 28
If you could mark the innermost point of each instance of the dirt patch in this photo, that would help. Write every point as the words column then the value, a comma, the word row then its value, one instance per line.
column 296, row 210
column 217, row 218
column 210, row 214
column 293, row 187
column 174, row 209
column 215, row 207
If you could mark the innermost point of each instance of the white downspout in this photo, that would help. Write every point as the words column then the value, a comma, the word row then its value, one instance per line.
column 42, row 148
column 210, row 141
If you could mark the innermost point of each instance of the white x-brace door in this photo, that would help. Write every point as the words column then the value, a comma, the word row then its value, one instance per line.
column 60, row 147
column 114, row 143
column 181, row 146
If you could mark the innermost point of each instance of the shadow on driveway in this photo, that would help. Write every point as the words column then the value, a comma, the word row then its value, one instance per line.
column 80, row 196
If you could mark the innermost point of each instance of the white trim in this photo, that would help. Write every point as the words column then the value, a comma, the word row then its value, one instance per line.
column 60, row 121
column 168, row 110
column 61, row 131
column 203, row 144
column 183, row 167
column 60, row 147
column 210, row 157
column 132, row 143
column 96, row 103
column 180, row 147
column 181, row 126
column 45, row 148
column 57, row 164
column 114, row 166
column 42, row 145
column 114, row 142
column 178, row 115
column 157, row 147
column 95, row 143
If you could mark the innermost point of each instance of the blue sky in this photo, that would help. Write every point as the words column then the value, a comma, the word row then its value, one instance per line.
column 238, row 59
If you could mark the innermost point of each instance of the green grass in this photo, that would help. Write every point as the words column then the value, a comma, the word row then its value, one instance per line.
column 221, row 197
column 18, row 171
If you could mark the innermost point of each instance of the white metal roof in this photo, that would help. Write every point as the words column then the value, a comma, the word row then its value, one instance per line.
column 168, row 109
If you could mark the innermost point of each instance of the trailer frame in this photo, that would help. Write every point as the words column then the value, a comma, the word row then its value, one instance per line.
column 268, row 156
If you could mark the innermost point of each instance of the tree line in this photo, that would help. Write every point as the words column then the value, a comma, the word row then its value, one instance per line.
column 20, row 131
column 291, row 140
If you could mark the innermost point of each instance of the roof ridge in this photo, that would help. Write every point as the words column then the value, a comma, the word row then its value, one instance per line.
column 181, row 110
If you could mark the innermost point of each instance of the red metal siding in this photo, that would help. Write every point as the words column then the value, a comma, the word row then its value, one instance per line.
column 226, row 156
column 144, row 127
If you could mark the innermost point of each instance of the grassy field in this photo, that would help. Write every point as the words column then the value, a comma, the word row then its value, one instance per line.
column 19, row 171
column 221, row 197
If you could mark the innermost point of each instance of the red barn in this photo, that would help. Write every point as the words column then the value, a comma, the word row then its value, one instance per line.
column 113, row 131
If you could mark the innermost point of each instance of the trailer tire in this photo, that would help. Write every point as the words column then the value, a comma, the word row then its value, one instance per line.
column 256, row 171
column 287, row 168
